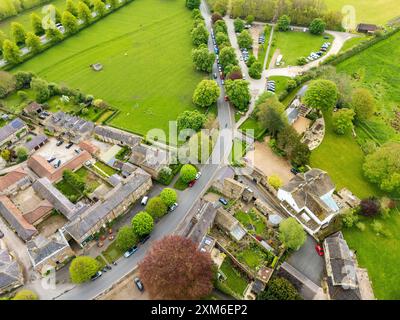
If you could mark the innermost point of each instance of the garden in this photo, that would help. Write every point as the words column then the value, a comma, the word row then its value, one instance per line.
column 233, row 282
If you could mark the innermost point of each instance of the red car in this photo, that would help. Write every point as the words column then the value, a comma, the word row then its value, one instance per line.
column 226, row 98
column 319, row 250
column 191, row 183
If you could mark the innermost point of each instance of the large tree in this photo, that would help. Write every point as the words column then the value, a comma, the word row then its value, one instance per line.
column 188, row 173
column 317, row 26
column 291, row 233
column 283, row 23
column 41, row 89
column 175, row 269
column 206, row 93
column 290, row 142
column 203, row 59
column 36, row 22
column 245, row 40
column 70, row 22
column 200, row 35
column 222, row 39
column 363, row 103
column 255, row 70
column 239, row 25
column 370, row 207
column 191, row 120
column 84, row 12
column 383, row 167
column 169, row 196
column 71, row 7
column 126, row 238
column 271, row 115
column 82, row 268
column 33, row 42
column 279, row 289
column 227, row 56
column 238, row 92
column 18, row 33
column 156, row 207
column 53, row 34
column 321, row 94
column 342, row 120
column 99, row 7
column 11, row 52
column 142, row 224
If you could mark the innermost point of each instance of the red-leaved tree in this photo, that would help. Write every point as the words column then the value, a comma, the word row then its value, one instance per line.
column 175, row 269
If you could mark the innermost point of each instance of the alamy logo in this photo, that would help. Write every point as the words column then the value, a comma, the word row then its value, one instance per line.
column 349, row 18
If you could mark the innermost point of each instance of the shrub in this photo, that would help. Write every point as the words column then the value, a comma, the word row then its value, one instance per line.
column 156, row 207
column 83, row 268
column 126, row 238
column 142, row 224
column 188, row 173
column 370, row 207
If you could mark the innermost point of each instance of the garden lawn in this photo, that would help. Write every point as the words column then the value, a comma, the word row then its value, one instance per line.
column 342, row 158
column 280, row 83
column 236, row 281
column 252, row 123
column 105, row 170
column 296, row 44
column 251, row 221
column 112, row 253
column 380, row 255
column 353, row 42
column 378, row 11
column 68, row 190
column 145, row 49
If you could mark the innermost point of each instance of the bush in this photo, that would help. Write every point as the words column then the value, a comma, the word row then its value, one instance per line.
column 126, row 238
column 360, row 226
column 188, row 173
column 275, row 181
column 83, row 268
column 301, row 61
column 279, row 289
column 169, row 196
column 26, row 295
column 156, row 207
column 142, row 224
column 370, row 207
column 349, row 219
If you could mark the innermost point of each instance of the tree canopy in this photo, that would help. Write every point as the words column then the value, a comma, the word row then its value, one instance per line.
column 206, row 93
column 227, row 56
column 363, row 103
column 203, row 59
column 25, row 294
column 271, row 115
column 279, row 289
column 321, row 94
column 283, row 23
column 142, row 224
column 188, row 173
column 238, row 92
column 317, row 26
column 169, row 196
column 239, row 25
column 156, row 207
column 82, row 268
column 343, row 120
column 18, row 32
column 200, row 35
column 291, row 233
column 245, row 40
column 191, row 120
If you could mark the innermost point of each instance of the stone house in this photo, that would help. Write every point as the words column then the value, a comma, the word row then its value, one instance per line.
column 11, row 276
column 150, row 159
column 14, row 181
column 13, row 132
column 116, row 136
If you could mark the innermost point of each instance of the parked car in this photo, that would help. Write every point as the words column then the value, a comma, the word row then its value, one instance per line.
column 96, row 275
column 88, row 163
column 215, row 75
column 139, row 284
column 223, row 201
column 1, row 235
column 50, row 160
column 144, row 200
column 222, row 81
column 191, row 183
column 78, row 151
column 69, row 145
column 57, row 164
column 59, row 143
column 294, row 171
column 319, row 250
column 145, row 239
column 198, row 175
column 173, row 207
column 130, row 252
column 226, row 98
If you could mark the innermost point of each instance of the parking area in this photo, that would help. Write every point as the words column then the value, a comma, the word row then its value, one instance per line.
column 51, row 149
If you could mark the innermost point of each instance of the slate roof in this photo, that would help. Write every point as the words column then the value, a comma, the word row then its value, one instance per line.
column 35, row 142
column 70, row 123
column 115, row 179
column 41, row 248
column 11, row 128
column 10, row 272
column 118, row 135
column 12, row 178
column 15, row 218
column 33, row 107
column 143, row 155
column 362, row 27
column 84, row 222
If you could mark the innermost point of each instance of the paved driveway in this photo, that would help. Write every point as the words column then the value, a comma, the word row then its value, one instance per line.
column 308, row 262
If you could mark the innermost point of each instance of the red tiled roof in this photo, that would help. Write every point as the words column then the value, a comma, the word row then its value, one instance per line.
column 39, row 212
column 11, row 178
column 88, row 146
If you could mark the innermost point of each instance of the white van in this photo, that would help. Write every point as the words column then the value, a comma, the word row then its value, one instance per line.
column 144, row 200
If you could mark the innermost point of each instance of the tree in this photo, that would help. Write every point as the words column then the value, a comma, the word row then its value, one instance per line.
column 289, row 141
column 227, row 56
column 126, row 238
column 203, row 59
column 36, row 23
column 41, row 89
column 215, row 17
column 317, row 26
column 321, row 94
column 23, row 79
column 251, row 60
column 169, row 196
column 275, row 181
column 82, row 268
column 235, row 73
column 196, row 14
column 74, row 180
column 33, row 42
column 245, row 40
column 193, row 4
column 291, row 233
column 250, row 19
column 22, row 153
column 3, row 37
column 239, row 25
column 113, row 3
column 283, row 23
column 99, row 7
column 188, row 173
column 206, row 93
column 70, row 22
column 342, row 120
column 363, row 103
column 71, row 8
column 191, row 120
column 156, row 207
column 200, row 35
column 165, row 175
column 84, row 12
column 6, row 154
column 370, row 207
column 18, row 33
column 26, row 295
column 54, row 34
column 238, row 93
column 222, row 39
column 271, row 115
column 11, row 52
column 383, row 167
column 255, row 71
column 279, row 289
column 175, row 269
column 220, row 26
column 142, row 224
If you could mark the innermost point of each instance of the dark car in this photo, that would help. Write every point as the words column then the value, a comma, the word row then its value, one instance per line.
column 1, row 234
column 223, row 201
column 191, row 183
column 294, row 171
column 96, row 275
column 139, row 284
column 69, row 145
column 57, row 164
column 51, row 159
column 145, row 239
column 59, row 143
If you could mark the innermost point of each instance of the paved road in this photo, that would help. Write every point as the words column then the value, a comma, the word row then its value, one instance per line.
column 170, row 222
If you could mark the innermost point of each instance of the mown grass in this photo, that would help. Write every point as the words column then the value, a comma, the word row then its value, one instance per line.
column 147, row 70
column 235, row 282
column 104, row 169
column 353, row 42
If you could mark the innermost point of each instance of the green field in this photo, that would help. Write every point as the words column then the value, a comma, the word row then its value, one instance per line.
column 145, row 51
column 353, row 42
column 377, row 11
column 295, row 44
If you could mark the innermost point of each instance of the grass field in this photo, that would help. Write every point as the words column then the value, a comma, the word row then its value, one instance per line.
column 235, row 281
column 378, row 11
column 353, row 42
column 379, row 254
column 295, row 44
column 145, row 50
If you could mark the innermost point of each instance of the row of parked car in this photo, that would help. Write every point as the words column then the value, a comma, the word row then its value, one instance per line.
column 271, row 86
column 261, row 38
column 316, row 55
column 58, row 162
column 245, row 54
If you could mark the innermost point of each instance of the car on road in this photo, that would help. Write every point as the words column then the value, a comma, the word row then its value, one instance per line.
column 294, row 171
column 1, row 234
column 226, row 98
column 130, row 252
column 144, row 200
column 198, row 175
column 139, row 284
column 51, row 159
column 145, row 239
column 222, row 81
column 78, row 151
column 191, row 183
column 59, row 143
column 96, row 275
column 173, row 207
column 69, row 145
column 319, row 250
column 57, row 164
column 215, row 75
column 223, row 201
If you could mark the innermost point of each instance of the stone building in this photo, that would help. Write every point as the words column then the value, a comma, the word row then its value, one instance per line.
column 13, row 132
column 150, row 159
column 116, row 136
column 11, row 276
column 14, row 181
